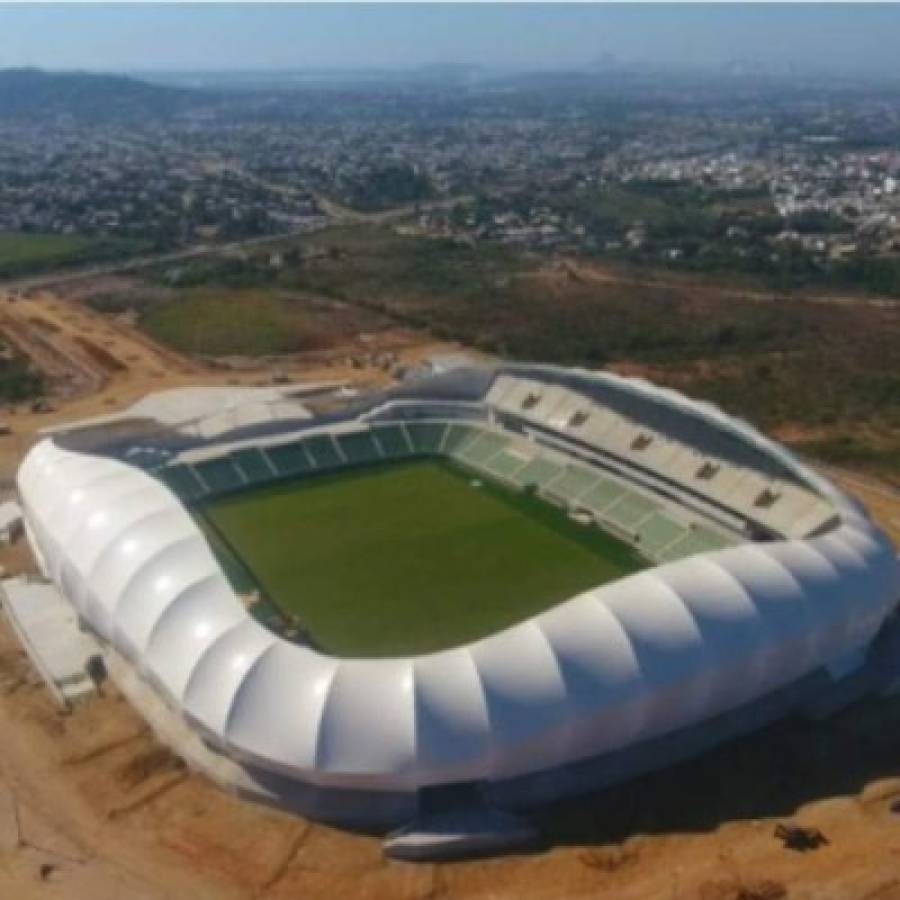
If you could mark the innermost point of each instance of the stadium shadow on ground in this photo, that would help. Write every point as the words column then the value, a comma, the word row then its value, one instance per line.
column 768, row 774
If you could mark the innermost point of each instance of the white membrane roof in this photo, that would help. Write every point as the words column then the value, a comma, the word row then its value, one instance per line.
column 618, row 664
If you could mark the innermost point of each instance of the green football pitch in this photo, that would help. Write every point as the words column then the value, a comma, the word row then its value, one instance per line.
column 408, row 558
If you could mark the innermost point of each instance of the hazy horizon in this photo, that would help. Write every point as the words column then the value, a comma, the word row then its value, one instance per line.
column 842, row 38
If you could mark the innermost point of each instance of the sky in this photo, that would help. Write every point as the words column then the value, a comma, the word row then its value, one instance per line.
column 198, row 37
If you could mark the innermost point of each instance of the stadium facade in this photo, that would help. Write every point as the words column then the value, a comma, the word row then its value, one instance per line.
column 766, row 587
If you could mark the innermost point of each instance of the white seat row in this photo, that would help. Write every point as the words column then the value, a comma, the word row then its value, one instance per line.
column 738, row 478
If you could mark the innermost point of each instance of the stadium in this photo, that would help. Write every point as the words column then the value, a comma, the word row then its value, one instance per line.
column 526, row 581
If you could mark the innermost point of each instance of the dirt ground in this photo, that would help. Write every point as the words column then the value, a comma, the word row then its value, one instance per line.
column 91, row 806
column 96, row 364
column 579, row 270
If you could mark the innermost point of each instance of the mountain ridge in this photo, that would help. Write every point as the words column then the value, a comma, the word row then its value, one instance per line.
column 32, row 93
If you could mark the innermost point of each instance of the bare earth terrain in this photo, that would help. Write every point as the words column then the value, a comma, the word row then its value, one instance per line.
column 97, row 364
column 91, row 806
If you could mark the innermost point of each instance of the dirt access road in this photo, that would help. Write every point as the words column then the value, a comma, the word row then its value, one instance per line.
column 91, row 363
column 92, row 807
column 97, row 364
column 578, row 270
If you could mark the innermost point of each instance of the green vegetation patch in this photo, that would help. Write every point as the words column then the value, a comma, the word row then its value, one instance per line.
column 501, row 301
column 213, row 322
column 385, row 187
column 24, row 253
column 19, row 380
column 410, row 558
column 829, row 368
column 877, row 454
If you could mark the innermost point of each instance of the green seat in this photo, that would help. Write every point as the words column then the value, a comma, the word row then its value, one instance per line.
column 712, row 540
column 696, row 540
column 252, row 463
column 219, row 475
column 458, row 437
column 658, row 532
column 323, row 451
column 481, row 450
column 391, row 439
column 629, row 510
column 426, row 437
column 603, row 494
column 506, row 464
column 358, row 447
column 538, row 472
column 289, row 459
column 574, row 481
column 182, row 480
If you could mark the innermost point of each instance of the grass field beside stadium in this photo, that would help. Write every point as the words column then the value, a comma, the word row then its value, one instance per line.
column 225, row 322
column 19, row 248
column 25, row 252
column 410, row 558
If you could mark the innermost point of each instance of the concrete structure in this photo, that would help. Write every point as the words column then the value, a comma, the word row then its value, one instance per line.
column 47, row 627
column 771, row 589
column 10, row 521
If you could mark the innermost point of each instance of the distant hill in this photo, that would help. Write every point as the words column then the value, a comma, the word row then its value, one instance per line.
column 36, row 94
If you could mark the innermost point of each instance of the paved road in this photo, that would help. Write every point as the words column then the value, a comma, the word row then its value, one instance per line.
column 66, row 276
column 335, row 214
